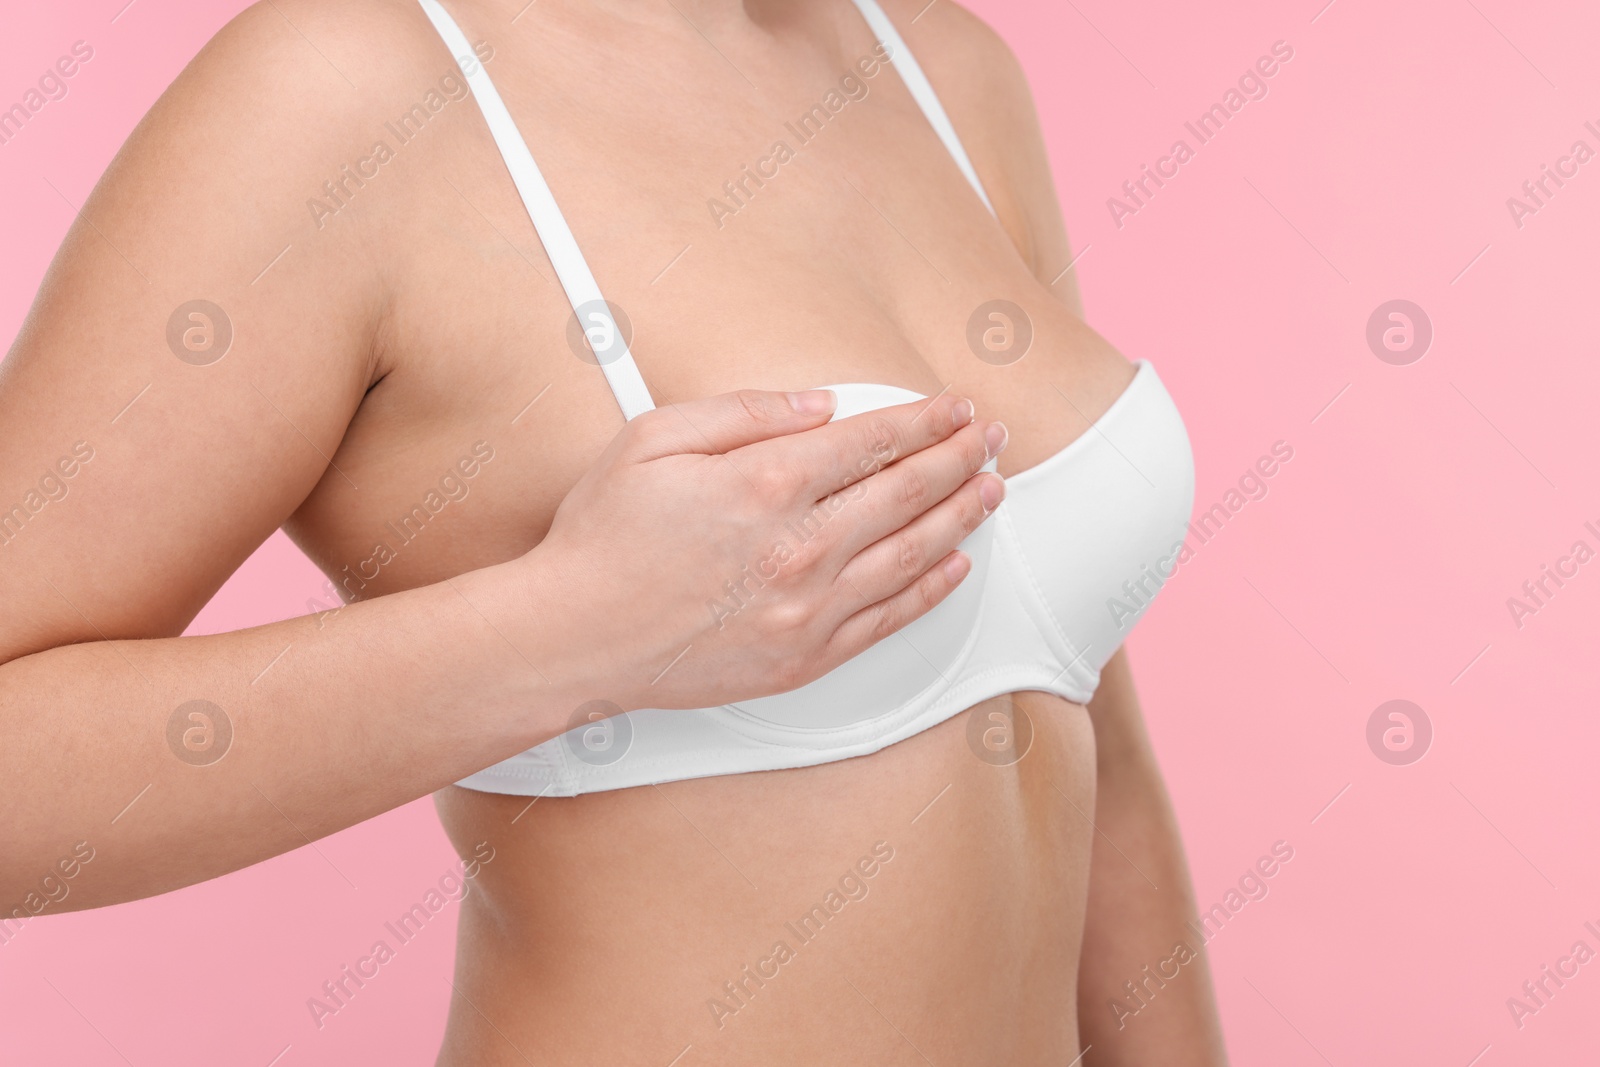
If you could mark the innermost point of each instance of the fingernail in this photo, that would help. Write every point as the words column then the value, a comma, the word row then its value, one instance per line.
column 956, row 567
column 995, row 437
column 991, row 491
column 962, row 413
column 813, row 401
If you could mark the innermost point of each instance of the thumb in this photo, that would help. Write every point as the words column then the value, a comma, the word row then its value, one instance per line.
column 728, row 421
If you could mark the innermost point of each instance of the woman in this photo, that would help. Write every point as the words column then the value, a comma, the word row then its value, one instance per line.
column 949, row 844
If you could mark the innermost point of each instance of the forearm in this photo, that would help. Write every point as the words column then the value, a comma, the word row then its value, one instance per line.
column 1144, row 990
column 333, row 719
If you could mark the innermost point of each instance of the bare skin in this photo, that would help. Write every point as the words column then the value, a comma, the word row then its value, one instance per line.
column 422, row 317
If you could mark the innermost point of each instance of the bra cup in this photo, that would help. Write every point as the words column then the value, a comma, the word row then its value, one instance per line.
column 1123, row 501
column 901, row 666
column 1032, row 615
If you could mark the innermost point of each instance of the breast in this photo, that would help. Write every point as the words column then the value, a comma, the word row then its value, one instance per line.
column 1100, row 525
column 1082, row 544
column 1060, row 574
column 920, row 656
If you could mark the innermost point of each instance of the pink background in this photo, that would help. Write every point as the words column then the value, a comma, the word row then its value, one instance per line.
column 1377, row 568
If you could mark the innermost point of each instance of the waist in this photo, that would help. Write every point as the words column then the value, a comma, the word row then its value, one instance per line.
column 945, row 877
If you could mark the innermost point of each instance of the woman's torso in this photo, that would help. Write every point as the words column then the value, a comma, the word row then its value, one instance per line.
column 608, row 925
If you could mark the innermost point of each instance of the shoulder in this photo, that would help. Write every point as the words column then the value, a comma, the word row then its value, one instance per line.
column 288, row 80
column 955, row 33
column 277, row 100
column 985, row 91
column 304, row 65
column 971, row 66
column 260, row 141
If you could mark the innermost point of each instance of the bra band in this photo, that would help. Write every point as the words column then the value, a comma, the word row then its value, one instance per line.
column 583, row 292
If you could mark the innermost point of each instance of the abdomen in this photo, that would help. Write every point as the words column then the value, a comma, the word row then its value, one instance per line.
column 928, row 895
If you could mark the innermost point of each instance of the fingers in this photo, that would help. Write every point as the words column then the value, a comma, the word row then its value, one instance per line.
column 886, row 567
column 720, row 424
column 847, row 450
column 893, row 573
column 873, row 623
column 895, row 497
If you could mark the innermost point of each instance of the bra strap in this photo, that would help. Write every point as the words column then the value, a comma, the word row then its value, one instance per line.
column 583, row 292
column 921, row 90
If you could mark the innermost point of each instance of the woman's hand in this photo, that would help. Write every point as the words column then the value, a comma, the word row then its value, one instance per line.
column 736, row 547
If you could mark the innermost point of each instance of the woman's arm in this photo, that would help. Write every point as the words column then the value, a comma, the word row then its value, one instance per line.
column 137, row 472
column 1141, row 903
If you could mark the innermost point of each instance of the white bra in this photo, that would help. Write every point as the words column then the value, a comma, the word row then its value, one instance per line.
column 1060, row 573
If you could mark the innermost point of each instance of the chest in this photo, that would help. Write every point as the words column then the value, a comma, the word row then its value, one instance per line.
column 812, row 232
